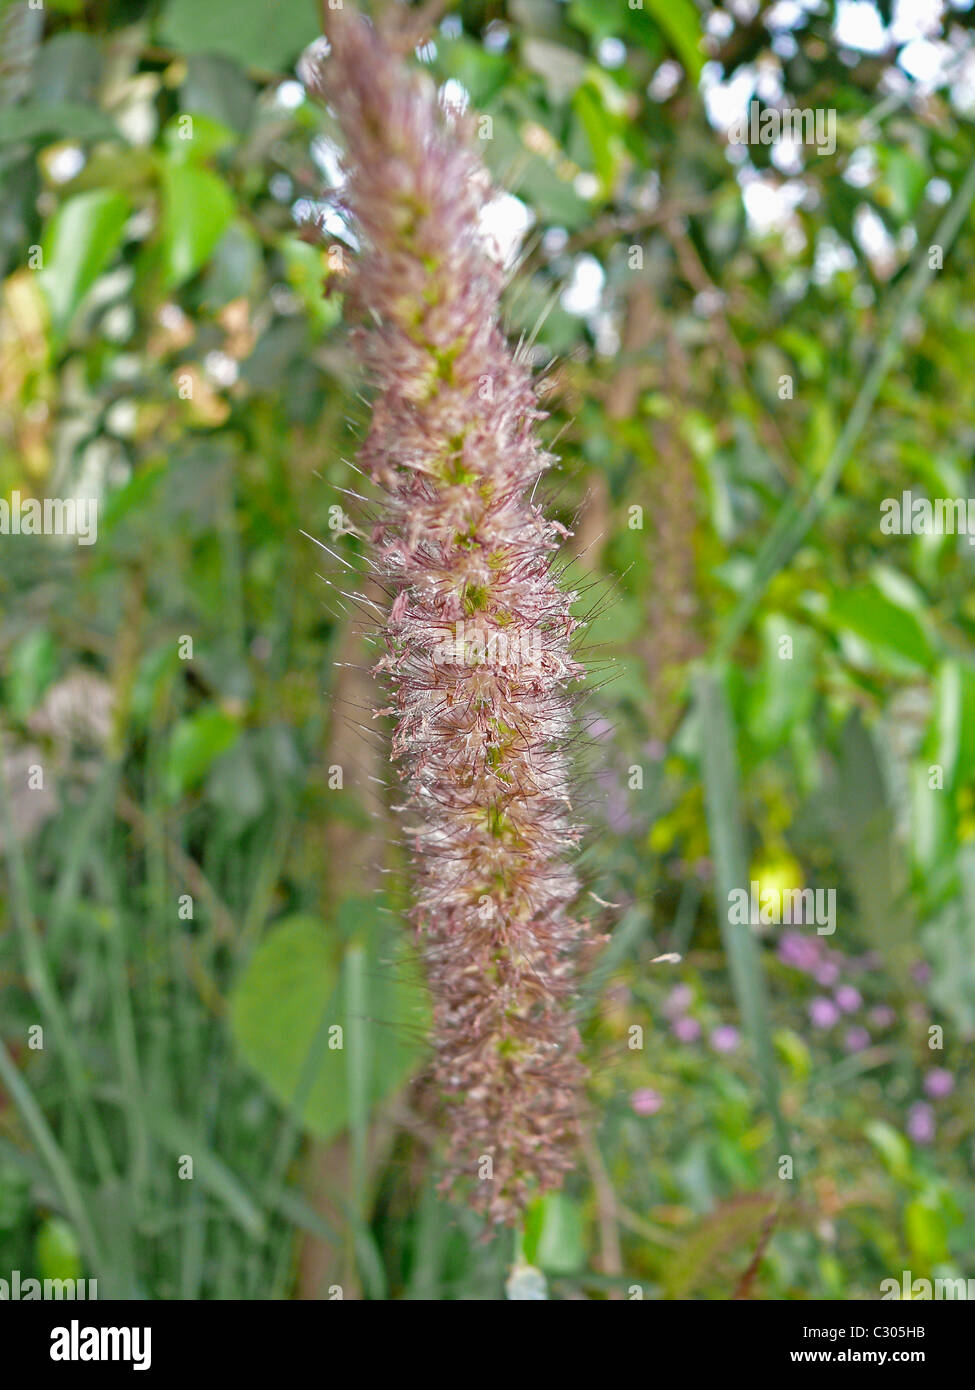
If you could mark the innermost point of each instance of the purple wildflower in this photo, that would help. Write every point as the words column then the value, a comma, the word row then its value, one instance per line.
column 724, row 1038
column 801, row 952
column 686, row 1029
column 920, row 1122
column 823, row 1013
column 856, row 1039
column 678, row 1001
column 646, row 1101
column 826, row 973
column 939, row 1083
column 848, row 998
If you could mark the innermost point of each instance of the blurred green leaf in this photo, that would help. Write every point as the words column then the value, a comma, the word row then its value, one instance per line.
column 886, row 628
column 785, row 691
column 198, row 207
column 216, row 87
column 78, row 244
column 196, row 742
column 306, row 272
column 234, row 787
column 558, row 1246
column 926, row 1231
column 292, row 995
column 235, row 267
column 195, row 138
column 31, row 666
column 68, row 69
column 681, row 23
column 794, row 1053
column 892, row 1147
column 906, row 178
column 258, row 35
column 719, row 768
column 56, row 119
column 58, row 1250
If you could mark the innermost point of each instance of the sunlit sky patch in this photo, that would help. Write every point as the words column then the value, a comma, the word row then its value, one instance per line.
column 583, row 293
column 454, row 96
column 327, row 156
column 503, row 223
column 858, row 25
column 611, row 53
column 289, row 95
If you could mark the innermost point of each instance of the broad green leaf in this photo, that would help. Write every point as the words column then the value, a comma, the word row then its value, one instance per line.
column 884, row 626
column 258, row 35
column 194, row 138
column 794, row 1053
column 217, row 87
column 785, row 691
column 198, row 207
column 951, row 737
column 906, row 178
column 681, row 24
column 294, row 994
column 602, row 133
column 553, row 198
column 926, row 1231
column 64, row 118
column 932, row 819
column 559, row 1247
column 68, row 68
column 947, row 719
column 892, row 1147
column 79, row 243
column 195, row 744
column 31, row 666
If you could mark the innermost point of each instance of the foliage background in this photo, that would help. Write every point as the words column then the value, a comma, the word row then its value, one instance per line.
column 170, row 351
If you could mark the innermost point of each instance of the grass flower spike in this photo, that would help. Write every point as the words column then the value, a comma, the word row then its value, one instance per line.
column 478, row 659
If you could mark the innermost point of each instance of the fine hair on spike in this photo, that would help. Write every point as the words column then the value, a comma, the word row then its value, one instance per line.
column 479, row 666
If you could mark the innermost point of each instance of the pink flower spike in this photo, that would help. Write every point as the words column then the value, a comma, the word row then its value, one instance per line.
column 478, row 662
